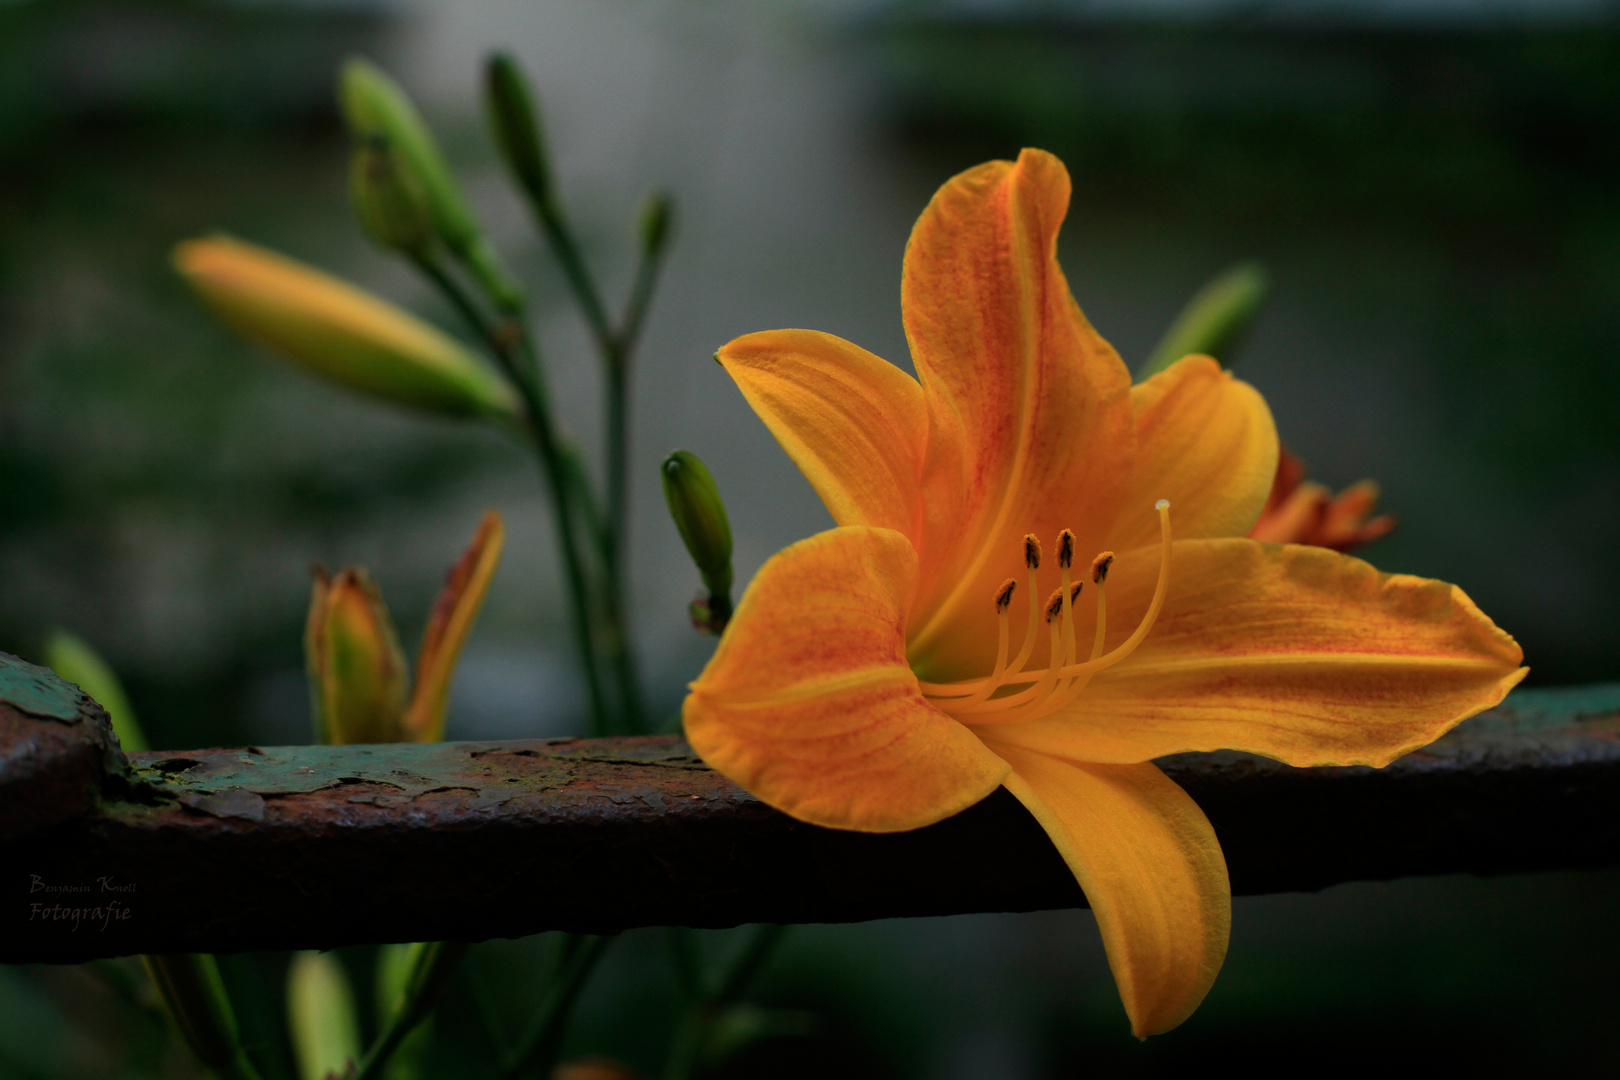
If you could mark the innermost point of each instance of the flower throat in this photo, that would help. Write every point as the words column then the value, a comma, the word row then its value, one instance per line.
column 974, row 701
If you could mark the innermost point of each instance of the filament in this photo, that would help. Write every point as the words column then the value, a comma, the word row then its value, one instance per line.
column 1062, row 680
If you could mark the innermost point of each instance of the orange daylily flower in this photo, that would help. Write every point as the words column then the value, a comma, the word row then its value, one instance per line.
column 1299, row 511
column 896, row 669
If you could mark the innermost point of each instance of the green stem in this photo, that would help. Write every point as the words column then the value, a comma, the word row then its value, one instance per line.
column 423, row 993
column 615, row 350
column 537, row 1051
column 561, row 239
column 697, row 1027
column 531, row 385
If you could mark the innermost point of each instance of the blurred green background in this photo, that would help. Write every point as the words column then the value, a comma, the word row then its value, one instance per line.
column 1435, row 190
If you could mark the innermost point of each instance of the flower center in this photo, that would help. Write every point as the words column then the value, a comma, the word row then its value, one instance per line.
column 992, row 700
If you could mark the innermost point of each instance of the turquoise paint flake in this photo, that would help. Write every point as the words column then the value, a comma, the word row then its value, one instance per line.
column 37, row 691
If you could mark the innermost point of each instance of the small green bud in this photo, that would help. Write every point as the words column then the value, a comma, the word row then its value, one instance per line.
column 321, row 1017
column 1214, row 320
column 516, row 124
column 389, row 199
column 372, row 104
column 657, row 219
column 700, row 515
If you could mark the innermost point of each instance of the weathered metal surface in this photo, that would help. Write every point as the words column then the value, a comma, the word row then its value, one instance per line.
column 56, row 748
column 223, row 850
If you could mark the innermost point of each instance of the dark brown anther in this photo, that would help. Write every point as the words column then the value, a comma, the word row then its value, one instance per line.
column 1004, row 595
column 1054, row 604
column 1100, row 565
column 1065, row 549
column 1074, row 592
column 1032, row 552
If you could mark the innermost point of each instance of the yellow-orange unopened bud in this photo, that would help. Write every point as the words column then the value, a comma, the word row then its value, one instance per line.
column 341, row 332
column 357, row 673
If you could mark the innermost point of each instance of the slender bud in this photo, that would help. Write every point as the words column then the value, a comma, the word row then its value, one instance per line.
column 516, row 124
column 340, row 332
column 193, row 996
column 657, row 220
column 355, row 665
column 700, row 515
column 389, row 199
column 321, row 1017
column 372, row 104
column 71, row 657
column 1214, row 321
column 454, row 613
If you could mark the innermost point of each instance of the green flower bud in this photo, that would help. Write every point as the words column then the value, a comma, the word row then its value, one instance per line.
column 1214, row 321
column 357, row 674
column 389, row 199
column 657, row 219
column 321, row 1017
column 516, row 124
column 700, row 515
column 374, row 104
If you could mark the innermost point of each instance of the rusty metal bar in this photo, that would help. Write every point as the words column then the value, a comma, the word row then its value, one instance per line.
column 103, row 854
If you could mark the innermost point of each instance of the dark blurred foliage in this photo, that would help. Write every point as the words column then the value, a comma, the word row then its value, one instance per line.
column 127, row 422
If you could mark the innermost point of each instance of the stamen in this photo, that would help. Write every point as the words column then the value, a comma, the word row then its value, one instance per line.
column 1063, row 680
column 1099, row 575
column 1004, row 596
column 1032, row 551
column 1054, row 604
column 1065, row 549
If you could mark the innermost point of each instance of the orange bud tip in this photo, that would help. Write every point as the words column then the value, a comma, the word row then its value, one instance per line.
column 1004, row 595
column 1100, row 565
column 1065, row 549
column 1032, row 552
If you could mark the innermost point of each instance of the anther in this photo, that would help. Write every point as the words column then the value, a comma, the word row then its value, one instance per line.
column 1065, row 549
column 1004, row 595
column 1054, row 604
column 1074, row 593
column 1032, row 551
column 1100, row 565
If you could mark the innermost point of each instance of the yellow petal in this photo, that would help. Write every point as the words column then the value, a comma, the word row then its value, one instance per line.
column 338, row 331
column 852, row 422
column 1151, row 868
column 1206, row 442
column 1298, row 653
column 1029, row 409
column 454, row 613
column 809, row 705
